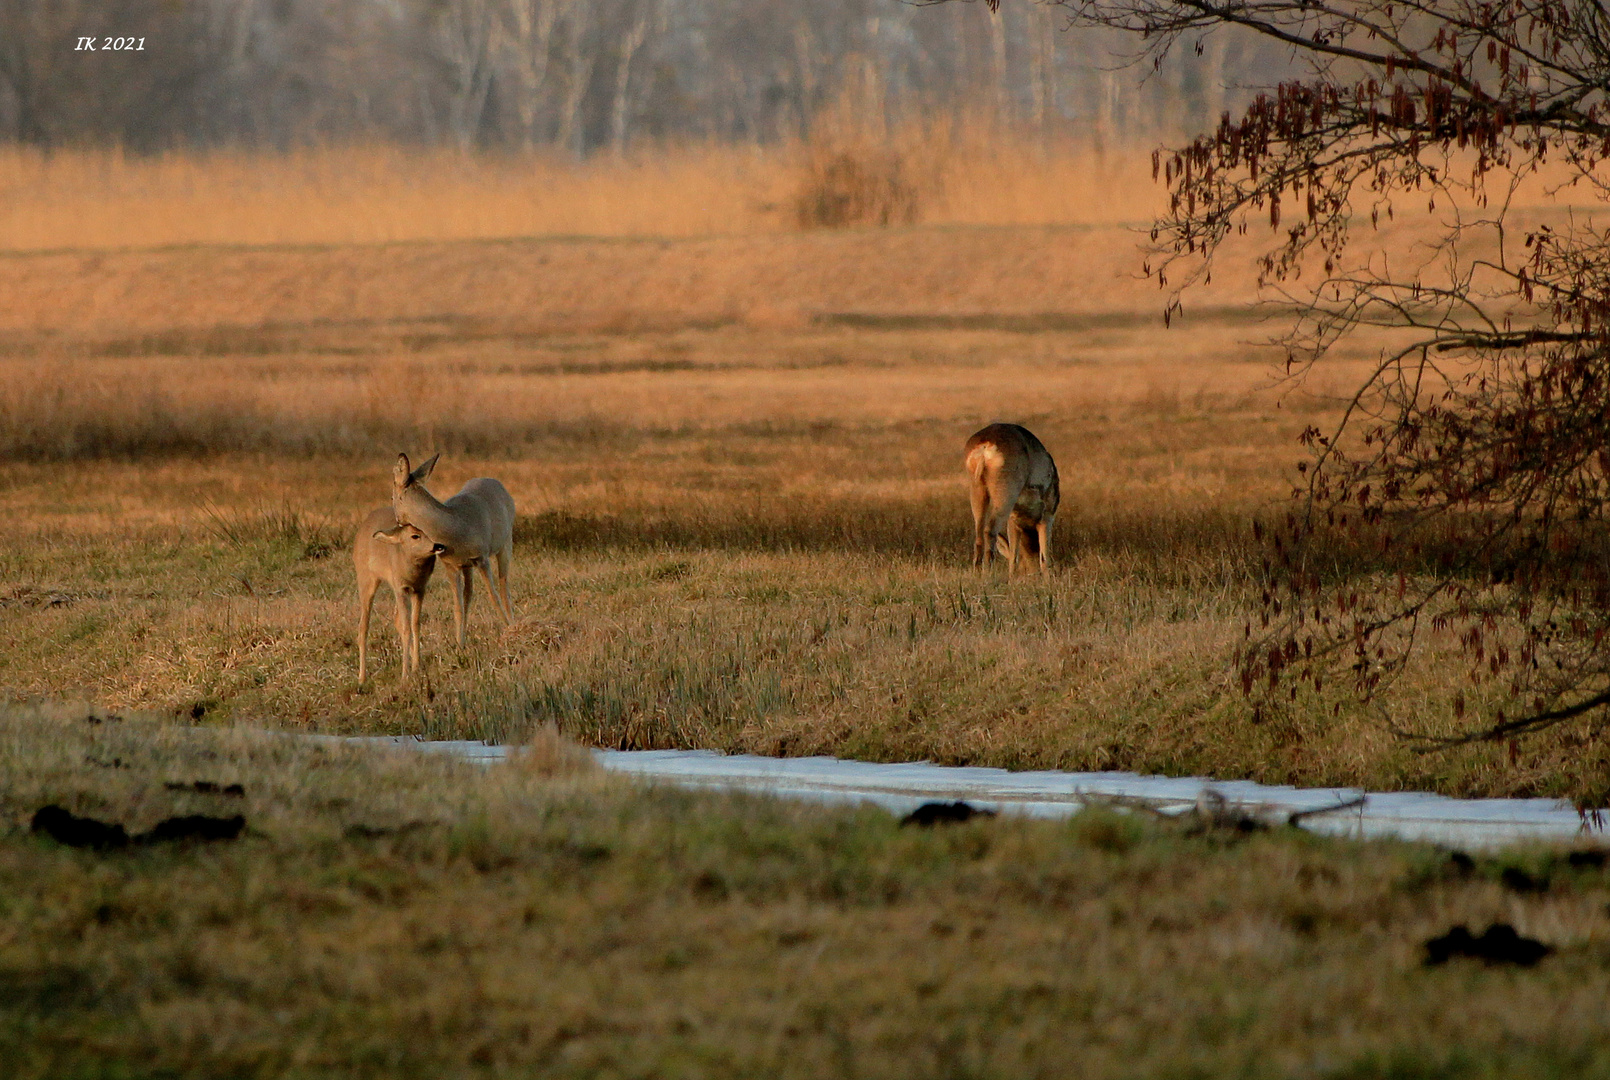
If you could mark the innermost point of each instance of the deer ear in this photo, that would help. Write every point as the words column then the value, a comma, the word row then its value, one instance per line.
column 389, row 536
column 419, row 474
column 399, row 472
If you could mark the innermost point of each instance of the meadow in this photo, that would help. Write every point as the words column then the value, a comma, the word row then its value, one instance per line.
column 734, row 443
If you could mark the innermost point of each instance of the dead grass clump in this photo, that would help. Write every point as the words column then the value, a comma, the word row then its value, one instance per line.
column 858, row 169
column 548, row 753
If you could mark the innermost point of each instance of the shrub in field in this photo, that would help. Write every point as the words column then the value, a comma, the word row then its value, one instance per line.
column 856, row 186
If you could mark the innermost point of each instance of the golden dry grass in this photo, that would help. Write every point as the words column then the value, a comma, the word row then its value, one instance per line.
column 390, row 915
column 736, row 458
column 962, row 174
column 97, row 199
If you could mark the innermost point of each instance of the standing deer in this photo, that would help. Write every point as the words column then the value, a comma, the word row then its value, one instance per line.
column 1014, row 492
column 404, row 558
column 470, row 529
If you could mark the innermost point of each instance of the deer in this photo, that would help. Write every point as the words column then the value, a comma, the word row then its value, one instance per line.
column 1015, row 495
column 470, row 530
column 404, row 558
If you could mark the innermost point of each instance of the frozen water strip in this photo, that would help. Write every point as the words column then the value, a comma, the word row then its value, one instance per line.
column 902, row 787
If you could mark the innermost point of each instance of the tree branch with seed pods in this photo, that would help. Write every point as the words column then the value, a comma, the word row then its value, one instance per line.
column 1465, row 493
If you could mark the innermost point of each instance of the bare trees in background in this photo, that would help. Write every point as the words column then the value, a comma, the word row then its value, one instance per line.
column 577, row 75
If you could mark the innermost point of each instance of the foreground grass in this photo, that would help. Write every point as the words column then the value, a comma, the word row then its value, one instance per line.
column 392, row 916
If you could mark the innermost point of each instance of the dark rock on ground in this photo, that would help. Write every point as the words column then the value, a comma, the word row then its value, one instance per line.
column 195, row 827
column 1517, row 880
column 944, row 813
column 1499, row 944
column 66, row 827
column 207, row 787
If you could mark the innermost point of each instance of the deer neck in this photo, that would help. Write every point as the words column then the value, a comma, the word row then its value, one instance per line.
column 425, row 512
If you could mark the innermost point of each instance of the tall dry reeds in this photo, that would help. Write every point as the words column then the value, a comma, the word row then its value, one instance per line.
column 950, row 173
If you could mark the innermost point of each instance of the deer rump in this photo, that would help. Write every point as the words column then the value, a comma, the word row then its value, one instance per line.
column 1015, row 489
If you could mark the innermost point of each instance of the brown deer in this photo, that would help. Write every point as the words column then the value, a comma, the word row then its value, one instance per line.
column 1014, row 493
column 404, row 558
column 471, row 529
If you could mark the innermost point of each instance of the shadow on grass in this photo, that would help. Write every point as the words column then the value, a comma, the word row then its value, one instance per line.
column 935, row 529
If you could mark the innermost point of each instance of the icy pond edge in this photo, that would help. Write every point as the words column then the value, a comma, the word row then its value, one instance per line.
column 902, row 787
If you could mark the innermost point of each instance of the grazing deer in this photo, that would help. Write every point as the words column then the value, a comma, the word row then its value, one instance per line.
column 470, row 529
column 403, row 557
column 1015, row 495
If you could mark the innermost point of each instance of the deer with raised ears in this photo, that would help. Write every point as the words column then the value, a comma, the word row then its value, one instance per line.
column 1015, row 495
column 404, row 558
column 472, row 528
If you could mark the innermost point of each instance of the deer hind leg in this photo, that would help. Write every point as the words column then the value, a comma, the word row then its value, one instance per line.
column 983, row 541
column 1045, row 543
column 505, row 560
column 366, row 599
column 1003, row 535
column 492, row 589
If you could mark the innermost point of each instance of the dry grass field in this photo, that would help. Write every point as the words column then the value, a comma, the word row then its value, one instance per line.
column 386, row 915
column 735, row 449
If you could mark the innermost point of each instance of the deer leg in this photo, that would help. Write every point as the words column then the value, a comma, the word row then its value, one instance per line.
column 461, row 600
column 505, row 558
column 401, row 616
column 492, row 589
column 1014, row 546
column 1000, row 538
column 468, row 574
column 1045, row 543
column 981, row 519
column 366, row 599
column 1003, row 499
column 413, row 628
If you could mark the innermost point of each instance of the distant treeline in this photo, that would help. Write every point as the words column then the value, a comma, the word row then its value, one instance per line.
column 574, row 75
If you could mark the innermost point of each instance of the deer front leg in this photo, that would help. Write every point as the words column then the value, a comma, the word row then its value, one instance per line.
column 413, row 629
column 366, row 599
column 461, row 600
column 1000, row 535
column 401, row 616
